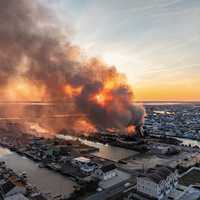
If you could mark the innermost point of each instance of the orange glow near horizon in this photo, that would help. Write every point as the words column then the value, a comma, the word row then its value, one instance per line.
column 22, row 89
column 167, row 93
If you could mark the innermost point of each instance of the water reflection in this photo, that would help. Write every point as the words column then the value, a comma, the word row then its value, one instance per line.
column 105, row 151
column 44, row 179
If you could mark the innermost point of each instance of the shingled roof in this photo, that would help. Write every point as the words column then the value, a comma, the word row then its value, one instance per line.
column 158, row 174
column 8, row 186
column 107, row 168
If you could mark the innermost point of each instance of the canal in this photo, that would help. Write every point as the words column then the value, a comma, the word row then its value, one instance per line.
column 50, row 181
column 44, row 179
column 105, row 151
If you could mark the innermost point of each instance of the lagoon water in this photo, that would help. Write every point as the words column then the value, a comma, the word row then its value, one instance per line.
column 49, row 181
column 44, row 179
column 110, row 152
column 105, row 151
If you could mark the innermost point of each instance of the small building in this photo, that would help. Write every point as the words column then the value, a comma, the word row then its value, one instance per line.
column 9, row 188
column 85, row 164
column 106, row 172
column 165, row 150
column 157, row 183
column 16, row 197
column 38, row 196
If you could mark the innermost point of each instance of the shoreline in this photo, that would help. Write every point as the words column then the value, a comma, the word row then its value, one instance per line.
column 42, row 178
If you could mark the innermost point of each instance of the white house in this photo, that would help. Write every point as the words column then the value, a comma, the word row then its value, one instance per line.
column 106, row 172
column 158, row 182
column 85, row 164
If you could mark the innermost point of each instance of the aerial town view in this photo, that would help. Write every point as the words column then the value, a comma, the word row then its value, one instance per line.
column 99, row 100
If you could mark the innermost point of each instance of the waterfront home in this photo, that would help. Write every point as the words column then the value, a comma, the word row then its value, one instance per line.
column 38, row 196
column 9, row 188
column 16, row 197
column 85, row 164
column 157, row 183
column 106, row 172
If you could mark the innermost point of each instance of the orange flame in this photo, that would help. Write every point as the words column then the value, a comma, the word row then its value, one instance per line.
column 105, row 95
column 102, row 98
column 131, row 130
column 71, row 91
column 22, row 89
column 85, row 126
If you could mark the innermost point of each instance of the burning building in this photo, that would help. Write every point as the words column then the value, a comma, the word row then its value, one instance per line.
column 38, row 63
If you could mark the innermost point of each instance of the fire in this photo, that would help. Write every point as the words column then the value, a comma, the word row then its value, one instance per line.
column 71, row 91
column 100, row 98
column 85, row 126
column 110, row 84
column 131, row 129
column 34, row 128
column 43, row 65
column 22, row 89
column 104, row 97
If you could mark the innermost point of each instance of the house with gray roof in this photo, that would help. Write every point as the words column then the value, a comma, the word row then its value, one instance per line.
column 158, row 182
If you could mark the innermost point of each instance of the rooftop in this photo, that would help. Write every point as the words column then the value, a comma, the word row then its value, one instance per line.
column 107, row 168
column 120, row 178
column 16, row 197
column 8, row 186
column 158, row 174
column 191, row 177
column 82, row 159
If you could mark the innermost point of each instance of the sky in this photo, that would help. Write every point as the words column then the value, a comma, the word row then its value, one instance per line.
column 155, row 43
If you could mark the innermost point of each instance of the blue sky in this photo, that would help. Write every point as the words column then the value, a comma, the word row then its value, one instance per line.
column 151, row 41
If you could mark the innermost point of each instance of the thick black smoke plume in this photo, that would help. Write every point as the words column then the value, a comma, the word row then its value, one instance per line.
column 37, row 63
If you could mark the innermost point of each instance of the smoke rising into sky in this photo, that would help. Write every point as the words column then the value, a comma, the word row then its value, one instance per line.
column 151, row 42
column 38, row 63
